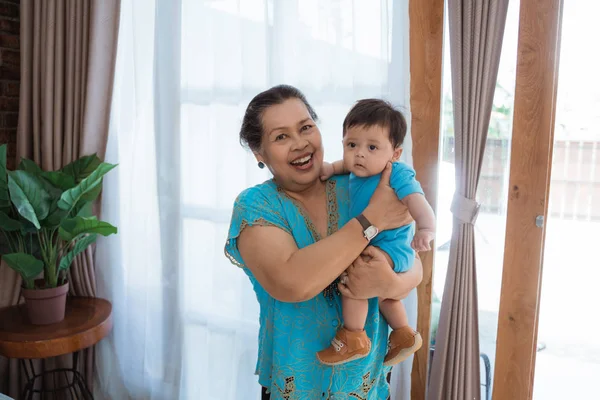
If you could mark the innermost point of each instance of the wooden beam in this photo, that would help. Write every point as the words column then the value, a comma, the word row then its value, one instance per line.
column 426, row 52
column 530, row 167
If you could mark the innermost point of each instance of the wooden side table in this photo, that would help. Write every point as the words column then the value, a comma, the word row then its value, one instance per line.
column 87, row 321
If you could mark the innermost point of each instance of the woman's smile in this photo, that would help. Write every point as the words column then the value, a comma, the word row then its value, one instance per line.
column 303, row 162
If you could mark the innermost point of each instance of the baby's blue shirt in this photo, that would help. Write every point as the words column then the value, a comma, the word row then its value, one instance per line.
column 396, row 242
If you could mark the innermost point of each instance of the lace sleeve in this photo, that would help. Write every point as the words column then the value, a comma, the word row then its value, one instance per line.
column 254, row 206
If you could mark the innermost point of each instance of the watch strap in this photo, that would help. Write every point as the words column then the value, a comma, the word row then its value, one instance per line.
column 364, row 222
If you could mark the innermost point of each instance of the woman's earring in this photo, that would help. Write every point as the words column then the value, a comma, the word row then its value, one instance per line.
column 261, row 164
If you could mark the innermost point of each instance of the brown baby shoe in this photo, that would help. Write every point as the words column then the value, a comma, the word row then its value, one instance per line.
column 403, row 342
column 346, row 346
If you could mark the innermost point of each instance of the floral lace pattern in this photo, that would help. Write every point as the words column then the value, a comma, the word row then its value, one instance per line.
column 290, row 334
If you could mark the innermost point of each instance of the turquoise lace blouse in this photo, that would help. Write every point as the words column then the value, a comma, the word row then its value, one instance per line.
column 290, row 334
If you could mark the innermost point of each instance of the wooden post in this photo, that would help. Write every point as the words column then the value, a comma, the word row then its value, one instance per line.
column 426, row 52
column 530, row 167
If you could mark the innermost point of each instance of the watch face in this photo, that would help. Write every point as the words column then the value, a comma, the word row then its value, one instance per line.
column 371, row 232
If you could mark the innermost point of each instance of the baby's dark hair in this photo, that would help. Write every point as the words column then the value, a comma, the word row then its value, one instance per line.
column 377, row 112
column 251, row 132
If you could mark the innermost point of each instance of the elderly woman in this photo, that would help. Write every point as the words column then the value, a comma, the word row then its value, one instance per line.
column 293, row 237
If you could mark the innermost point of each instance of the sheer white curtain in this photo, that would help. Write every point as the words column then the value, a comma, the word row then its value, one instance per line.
column 185, row 320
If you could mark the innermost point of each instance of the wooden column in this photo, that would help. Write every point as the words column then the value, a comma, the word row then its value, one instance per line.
column 531, row 161
column 426, row 51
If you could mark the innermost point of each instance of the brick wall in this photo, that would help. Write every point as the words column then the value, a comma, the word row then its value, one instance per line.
column 9, row 76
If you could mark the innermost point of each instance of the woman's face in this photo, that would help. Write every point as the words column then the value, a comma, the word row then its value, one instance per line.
column 291, row 145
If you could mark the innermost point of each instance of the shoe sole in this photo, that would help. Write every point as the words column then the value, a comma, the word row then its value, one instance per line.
column 405, row 353
column 354, row 357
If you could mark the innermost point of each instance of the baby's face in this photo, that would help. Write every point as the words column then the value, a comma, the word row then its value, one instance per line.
column 367, row 150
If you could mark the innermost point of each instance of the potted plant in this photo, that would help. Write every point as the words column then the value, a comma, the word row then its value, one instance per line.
column 46, row 221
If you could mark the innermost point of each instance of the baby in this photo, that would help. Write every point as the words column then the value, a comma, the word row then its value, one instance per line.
column 373, row 133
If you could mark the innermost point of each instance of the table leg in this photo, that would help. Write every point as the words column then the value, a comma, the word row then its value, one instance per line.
column 27, row 366
column 76, row 387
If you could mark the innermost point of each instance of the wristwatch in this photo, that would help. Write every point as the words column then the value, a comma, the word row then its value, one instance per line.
column 369, row 230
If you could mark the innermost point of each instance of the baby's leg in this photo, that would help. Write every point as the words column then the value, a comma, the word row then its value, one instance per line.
column 351, row 341
column 394, row 313
column 355, row 313
column 404, row 340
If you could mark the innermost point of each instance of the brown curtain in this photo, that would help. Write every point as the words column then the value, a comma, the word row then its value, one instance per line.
column 68, row 51
column 476, row 31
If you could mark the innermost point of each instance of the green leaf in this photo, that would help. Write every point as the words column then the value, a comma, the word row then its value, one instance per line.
column 73, row 227
column 72, row 196
column 79, row 247
column 59, row 180
column 55, row 214
column 27, row 265
column 4, row 198
column 83, row 209
column 29, row 197
column 8, row 224
column 29, row 166
column 93, row 194
column 28, row 227
column 82, row 167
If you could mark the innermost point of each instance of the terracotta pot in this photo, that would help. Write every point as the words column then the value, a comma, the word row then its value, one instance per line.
column 46, row 306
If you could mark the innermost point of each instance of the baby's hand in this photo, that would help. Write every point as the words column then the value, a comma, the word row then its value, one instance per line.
column 422, row 240
column 327, row 171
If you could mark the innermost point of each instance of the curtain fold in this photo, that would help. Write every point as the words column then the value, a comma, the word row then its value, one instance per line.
column 68, row 52
column 476, row 33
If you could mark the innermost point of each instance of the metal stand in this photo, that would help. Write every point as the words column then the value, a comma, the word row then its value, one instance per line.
column 66, row 383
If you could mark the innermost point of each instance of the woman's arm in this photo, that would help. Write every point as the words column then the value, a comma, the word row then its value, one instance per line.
column 291, row 274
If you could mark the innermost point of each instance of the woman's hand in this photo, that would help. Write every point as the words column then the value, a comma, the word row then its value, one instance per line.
column 405, row 282
column 385, row 210
column 370, row 275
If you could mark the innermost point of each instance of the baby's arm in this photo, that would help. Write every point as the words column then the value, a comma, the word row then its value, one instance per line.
column 423, row 215
column 334, row 168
